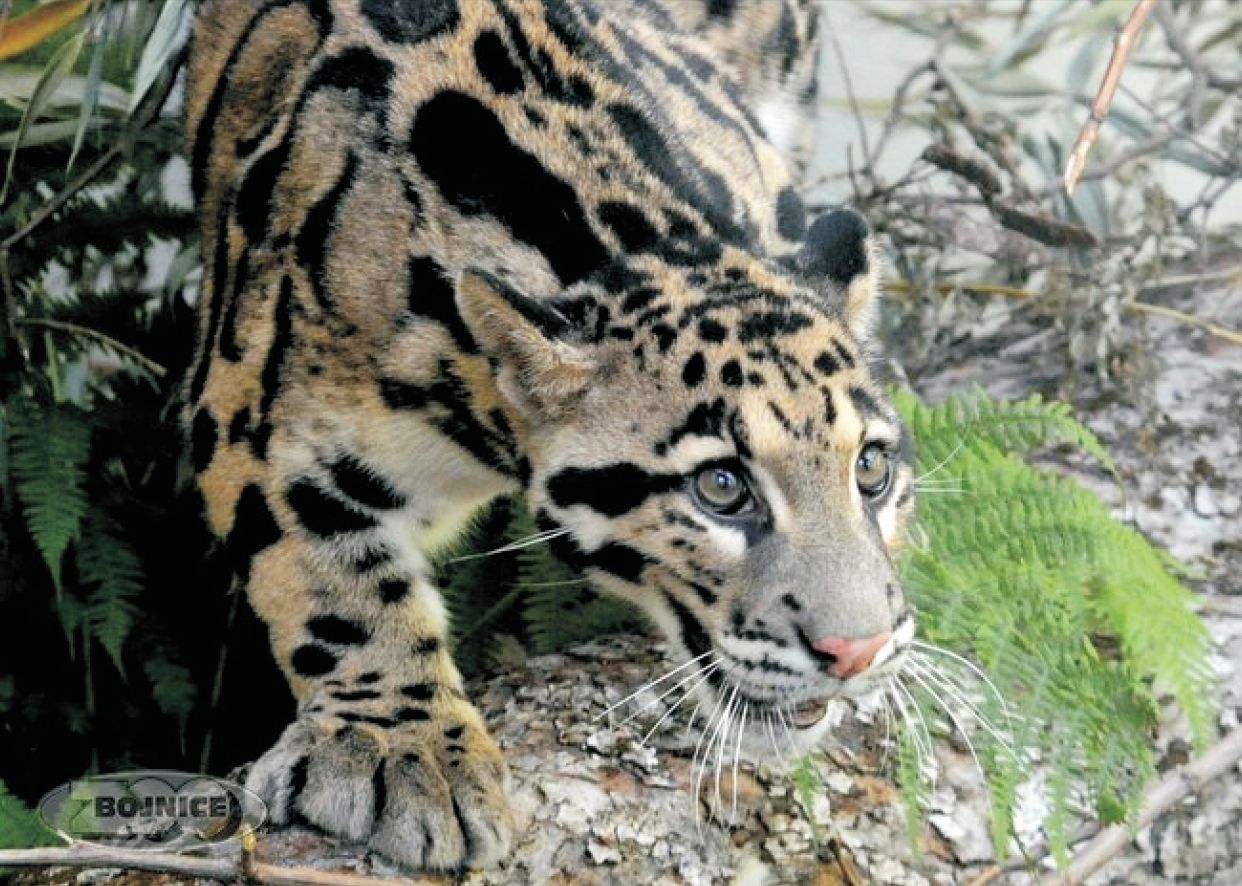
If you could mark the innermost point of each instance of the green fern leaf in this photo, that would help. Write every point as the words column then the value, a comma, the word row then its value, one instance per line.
column 172, row 689
column 48, row 449
column 112, row 573
column 20, row 828
column 1070, row 613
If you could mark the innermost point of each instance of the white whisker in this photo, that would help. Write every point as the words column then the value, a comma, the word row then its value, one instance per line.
column 537, row 539
column 737, row 756
column 720, row 749
column 973, row 668
column 958, row 697
column 948, row 458
column 918, row 730
column 914, row 671
column 640, row 690
column 663, row 695
column 703, row 675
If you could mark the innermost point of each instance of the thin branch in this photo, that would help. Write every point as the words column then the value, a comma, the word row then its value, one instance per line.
column 223, row 869
column 849, row 92
column 1189, row 319
column 1175, row 786
column 1198, row 74
column 1122, row 47
column 156, row 369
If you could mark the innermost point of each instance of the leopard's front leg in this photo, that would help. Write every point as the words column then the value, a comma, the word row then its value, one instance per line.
column 386, row 749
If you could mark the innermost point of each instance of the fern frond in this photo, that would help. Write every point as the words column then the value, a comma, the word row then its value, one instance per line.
column 112, row 573
column 48, row 450
column 1069, row 612
column 173, row 690
column 976, row 420
column 20, row 828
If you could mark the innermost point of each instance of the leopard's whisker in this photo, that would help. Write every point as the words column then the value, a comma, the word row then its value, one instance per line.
column 698, row 769
column 529, row 541
column 737, row 757
column 918, row 731
column 703, row 674
column 665, row 694
column 720, row 749
column 551, row 584
column 658, row 680
column 922, row 646
column 913, row 670
column 694, row 763
column 958, row 698
column 948, row 458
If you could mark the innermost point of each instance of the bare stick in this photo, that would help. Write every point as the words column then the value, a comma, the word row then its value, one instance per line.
column 223, row 869
column 103, row 338
column 1178, row 784
column 1122, row 47
column 1189, row 319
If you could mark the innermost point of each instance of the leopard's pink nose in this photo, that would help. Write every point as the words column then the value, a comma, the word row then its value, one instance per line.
column 852, row 655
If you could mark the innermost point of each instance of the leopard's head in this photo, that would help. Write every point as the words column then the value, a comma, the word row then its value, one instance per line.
column 710, row 443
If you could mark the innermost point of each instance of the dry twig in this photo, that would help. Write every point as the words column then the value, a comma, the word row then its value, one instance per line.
column 224, row 869
column 1176, row 785
column 1127, row 37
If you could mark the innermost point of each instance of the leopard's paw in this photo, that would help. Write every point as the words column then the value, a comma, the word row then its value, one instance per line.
column 434, row 797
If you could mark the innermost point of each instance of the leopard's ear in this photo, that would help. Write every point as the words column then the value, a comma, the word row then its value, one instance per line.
column 541, row 370
column 840, row 254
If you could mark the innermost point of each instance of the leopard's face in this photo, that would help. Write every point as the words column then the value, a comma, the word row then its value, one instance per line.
column 730, row 465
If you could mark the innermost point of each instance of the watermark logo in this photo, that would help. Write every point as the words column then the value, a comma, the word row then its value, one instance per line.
column 154, row 809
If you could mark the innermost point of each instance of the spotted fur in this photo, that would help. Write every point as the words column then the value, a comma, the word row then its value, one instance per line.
column 461, row 248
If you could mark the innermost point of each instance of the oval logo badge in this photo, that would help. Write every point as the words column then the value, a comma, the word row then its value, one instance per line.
column 154, row 809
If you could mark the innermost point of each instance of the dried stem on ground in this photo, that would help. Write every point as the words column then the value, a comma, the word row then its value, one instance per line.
column 1122, row 47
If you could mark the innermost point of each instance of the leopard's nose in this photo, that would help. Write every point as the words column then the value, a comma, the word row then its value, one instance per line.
column 851, row 655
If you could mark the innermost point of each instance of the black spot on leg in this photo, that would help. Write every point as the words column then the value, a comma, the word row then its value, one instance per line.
column 731, row 374
column 711, row 331
column 334, row 629
column 411, row 21
column 694, row 370
column 321, row 514
column 203, row 439
column 419, row 691
column 359, row 482
column 254, row 529
column 427, row 646
column 629, row 224
column 297, row 780
column 432, row 297
column 356, row 695
column 370, row 559
column 313, row 661
column 411, row 715
column 398, row 394
column 370, row 677
column 379, row 789
column 394, row 591
column 454, row 732
column 492, row 59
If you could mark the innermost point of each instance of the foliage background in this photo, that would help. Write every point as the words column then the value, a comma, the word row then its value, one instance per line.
column 110, row 647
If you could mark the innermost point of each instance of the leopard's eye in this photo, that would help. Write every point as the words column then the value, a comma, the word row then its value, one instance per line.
column 873, row 470
column 723, row 490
